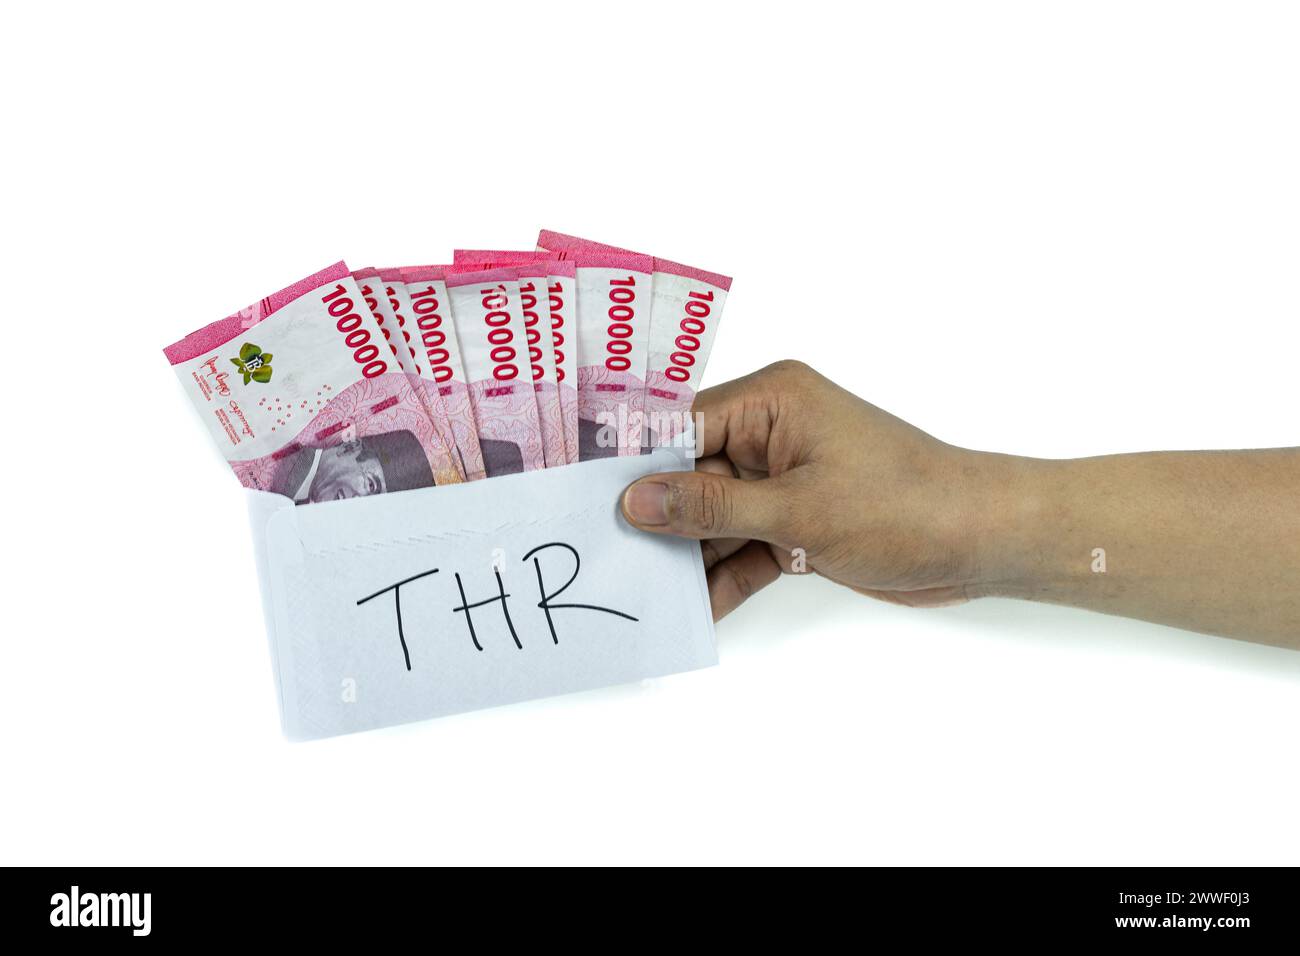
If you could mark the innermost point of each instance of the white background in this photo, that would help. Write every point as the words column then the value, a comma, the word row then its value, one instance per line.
column 1037, row 228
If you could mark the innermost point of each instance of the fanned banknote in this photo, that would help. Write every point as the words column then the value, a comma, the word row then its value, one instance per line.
column 438, row 364
column 403, row 347
column 683, row 321
column 546, row 290
column 301, row 394
column 441, row 364
column 485, row 308
column 537, row 320
column 687, row 306
column 614, row 292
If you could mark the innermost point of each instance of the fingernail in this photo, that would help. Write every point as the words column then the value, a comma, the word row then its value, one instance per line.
column 646, row 503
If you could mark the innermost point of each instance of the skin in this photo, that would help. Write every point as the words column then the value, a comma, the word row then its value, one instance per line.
column 1204, row 540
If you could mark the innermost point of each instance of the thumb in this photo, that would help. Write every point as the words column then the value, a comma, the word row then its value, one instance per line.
column 697, row 504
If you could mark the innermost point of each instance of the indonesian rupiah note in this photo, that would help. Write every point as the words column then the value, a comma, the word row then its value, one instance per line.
column 485, row 308
column 301, row 394
column 613, row 312
column 442, row 369
column 403, row 348
column 546, row 291
column 686, row 309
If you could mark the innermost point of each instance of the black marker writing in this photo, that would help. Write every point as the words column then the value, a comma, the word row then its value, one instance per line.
column 397, row 602
column 505, row 609
column 545, row 603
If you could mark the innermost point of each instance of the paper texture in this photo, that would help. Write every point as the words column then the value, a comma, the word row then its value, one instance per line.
column 638, row 606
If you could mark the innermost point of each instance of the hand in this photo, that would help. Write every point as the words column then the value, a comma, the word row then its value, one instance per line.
column 798, row 474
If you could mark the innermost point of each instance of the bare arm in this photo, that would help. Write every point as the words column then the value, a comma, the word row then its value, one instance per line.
column 798, row 470
column 1203, row 540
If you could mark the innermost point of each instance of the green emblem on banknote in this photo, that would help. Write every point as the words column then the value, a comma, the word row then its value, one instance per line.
column 253, row 363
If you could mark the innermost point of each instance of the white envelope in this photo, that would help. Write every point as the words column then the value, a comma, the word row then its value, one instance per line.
column 330, row 573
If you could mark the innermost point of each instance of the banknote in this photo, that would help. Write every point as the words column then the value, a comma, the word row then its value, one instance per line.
column 550, row 282
column 614, row 292
column 561, row 302
column 533, row 303
column 373, row 291
column 541, row 357
column 485, row 309
column 686, row 308
column 302, row 396
column 402, row 346
column 446, row 371
column 683, row 321
column 421, row 294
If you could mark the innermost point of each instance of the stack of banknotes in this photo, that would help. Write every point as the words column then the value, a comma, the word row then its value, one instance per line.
column 360, row 382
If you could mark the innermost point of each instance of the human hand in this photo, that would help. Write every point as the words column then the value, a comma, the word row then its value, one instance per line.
column 797, row 474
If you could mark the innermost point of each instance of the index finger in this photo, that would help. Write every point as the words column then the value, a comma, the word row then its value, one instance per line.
column 737, row 418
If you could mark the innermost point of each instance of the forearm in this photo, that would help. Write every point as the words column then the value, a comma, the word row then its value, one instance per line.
column 1203, row 540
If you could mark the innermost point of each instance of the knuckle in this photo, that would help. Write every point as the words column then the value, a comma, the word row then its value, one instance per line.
column 741, row 583
column 708, row 505
column 791, row 369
